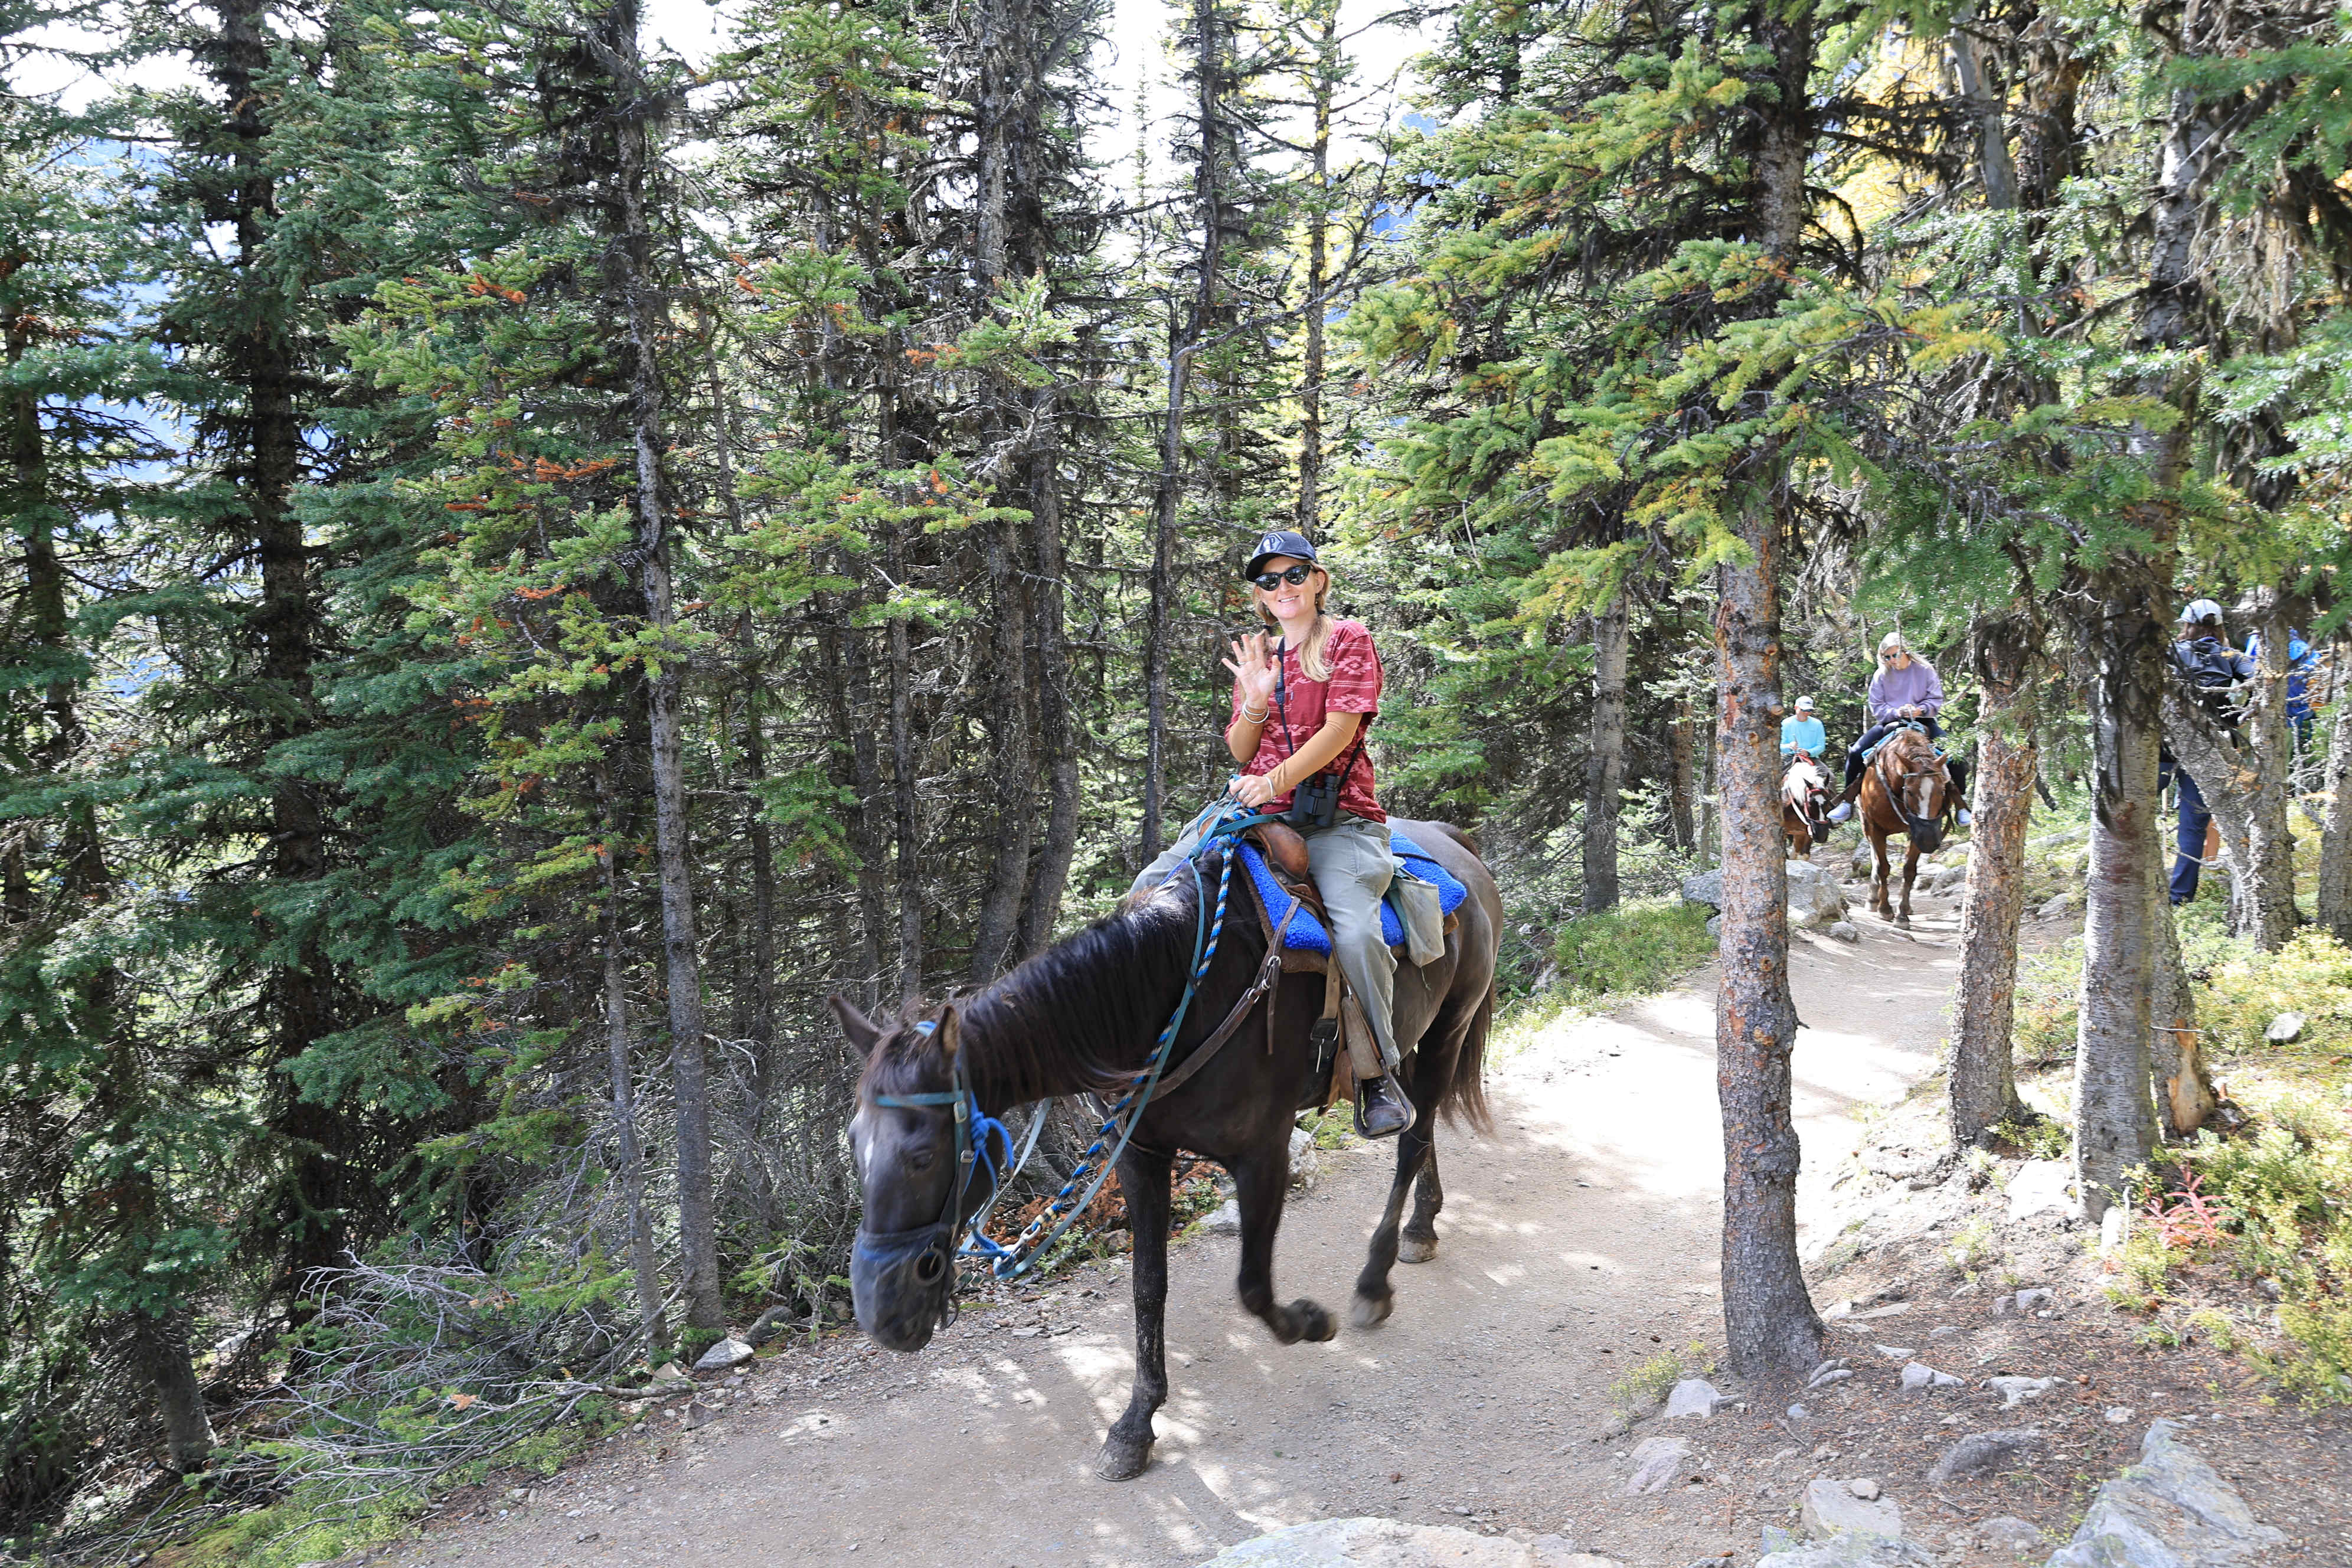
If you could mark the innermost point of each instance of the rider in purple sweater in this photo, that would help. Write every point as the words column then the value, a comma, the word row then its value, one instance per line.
column 1903, row 691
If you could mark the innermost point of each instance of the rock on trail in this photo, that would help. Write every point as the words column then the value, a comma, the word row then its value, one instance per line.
column 1815, row 900
column 2170, row 1510
column 1392, row 1543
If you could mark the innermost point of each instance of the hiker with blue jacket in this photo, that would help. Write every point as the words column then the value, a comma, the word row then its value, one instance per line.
column 2207, row 661
column 1905, row 691
column 1801, row 734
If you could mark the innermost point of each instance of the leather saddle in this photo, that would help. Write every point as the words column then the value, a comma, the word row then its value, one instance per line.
column 1331, row 1078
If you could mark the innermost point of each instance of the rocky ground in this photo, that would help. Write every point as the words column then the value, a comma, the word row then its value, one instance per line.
column 1579, row 1251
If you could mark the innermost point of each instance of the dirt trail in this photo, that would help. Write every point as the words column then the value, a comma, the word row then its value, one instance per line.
column 1578, row 1240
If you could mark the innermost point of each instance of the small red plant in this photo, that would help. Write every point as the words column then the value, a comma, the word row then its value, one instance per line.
column 2189, row 1219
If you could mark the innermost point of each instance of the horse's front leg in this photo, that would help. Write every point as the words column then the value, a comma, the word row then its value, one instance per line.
column 1910, row 875
column 1880, row 904
column 1261, row 1180
column 1374, row 1297
column 1143, row 1178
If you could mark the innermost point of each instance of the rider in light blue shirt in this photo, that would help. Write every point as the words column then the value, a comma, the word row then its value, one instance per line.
column 1800, row 732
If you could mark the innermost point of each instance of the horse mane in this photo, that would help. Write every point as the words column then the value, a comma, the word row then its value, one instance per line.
column 1081, row 1014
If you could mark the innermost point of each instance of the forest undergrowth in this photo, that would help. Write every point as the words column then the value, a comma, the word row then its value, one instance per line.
column 2240, row 1239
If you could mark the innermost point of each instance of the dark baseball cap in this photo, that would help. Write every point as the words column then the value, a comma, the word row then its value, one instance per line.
column 1281, row 541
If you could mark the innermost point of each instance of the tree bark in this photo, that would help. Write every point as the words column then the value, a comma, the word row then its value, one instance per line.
column 2115, row 1128
column 1983, row 1078
column 2185, row 1098
column 1167, row 493
column 1604, row 765
column 620, row 1072
column 1993, row 165
column 160, row 1345
column 1322, row 74
column 1768, row 1315
column 2125, row 617
column 1041, row 907
column 759, row 844
column 1768, row 1319
column 2334, row 891
column 629, row 257
column 1168, row 486
column 2271, row 916
column 1013, row 763
column 1682, row 787
column 905, row 816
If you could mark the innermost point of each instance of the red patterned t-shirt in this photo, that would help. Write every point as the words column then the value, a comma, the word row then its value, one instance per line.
column 1354, row 687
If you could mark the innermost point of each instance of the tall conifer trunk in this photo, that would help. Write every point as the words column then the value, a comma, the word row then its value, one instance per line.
column 630, row 259
column 1056, row 734
column 1768, row 1315
column 1168, row 490
column 2334, row 895
column 2114, row 1126
column 1768, row 1318
column 311, row 1222
column 2127, row 610
column 1983, row 1078
column 1604, row 764
column 1322, row 73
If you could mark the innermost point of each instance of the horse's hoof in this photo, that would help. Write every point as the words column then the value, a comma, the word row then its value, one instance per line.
column 1412, row 1248
column 1314, row 1324
column 1122, row 1461
column 1371, row 1311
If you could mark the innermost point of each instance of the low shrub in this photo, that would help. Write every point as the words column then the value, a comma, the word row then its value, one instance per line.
column 2048, row 1003
column 2312, row 976
column 1639, row 947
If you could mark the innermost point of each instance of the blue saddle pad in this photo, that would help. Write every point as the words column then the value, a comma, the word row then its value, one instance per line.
column 1305, row 933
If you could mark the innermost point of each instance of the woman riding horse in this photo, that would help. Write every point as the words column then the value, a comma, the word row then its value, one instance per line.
column 1302, row 703
column 1903, row 691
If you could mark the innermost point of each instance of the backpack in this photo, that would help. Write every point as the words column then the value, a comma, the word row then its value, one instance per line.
column 2212, row 666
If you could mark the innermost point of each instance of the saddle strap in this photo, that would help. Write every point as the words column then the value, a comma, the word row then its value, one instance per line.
column 1268, row 972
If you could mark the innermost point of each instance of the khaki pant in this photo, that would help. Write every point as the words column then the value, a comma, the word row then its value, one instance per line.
column 1352, row 868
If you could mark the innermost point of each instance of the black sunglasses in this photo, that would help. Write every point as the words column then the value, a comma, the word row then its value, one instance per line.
column 1270, row 580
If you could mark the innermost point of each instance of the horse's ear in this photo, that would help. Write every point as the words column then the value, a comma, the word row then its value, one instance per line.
column 946, row 1031
column 855, row 1025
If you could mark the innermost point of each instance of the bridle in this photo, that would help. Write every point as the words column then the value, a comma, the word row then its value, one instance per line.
column 932, row 1247
column 1899, row 794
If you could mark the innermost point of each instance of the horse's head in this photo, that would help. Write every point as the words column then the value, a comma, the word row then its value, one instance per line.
column 910, row 1140
column 1919, row 787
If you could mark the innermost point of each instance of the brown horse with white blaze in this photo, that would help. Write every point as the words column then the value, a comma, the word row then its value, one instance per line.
column 1804, row 796
column 1907, row 790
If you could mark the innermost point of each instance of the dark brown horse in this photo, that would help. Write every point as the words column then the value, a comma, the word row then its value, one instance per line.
column 1904, row 790
column 1804, row 796
column 1083, row 1016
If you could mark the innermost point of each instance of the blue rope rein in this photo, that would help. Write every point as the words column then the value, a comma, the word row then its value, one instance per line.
column 1229, row 820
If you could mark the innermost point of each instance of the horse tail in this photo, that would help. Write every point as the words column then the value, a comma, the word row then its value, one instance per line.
column 1464, row 1098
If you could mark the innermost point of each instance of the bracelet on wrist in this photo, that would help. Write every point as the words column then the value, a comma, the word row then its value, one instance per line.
column 1250, row 718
